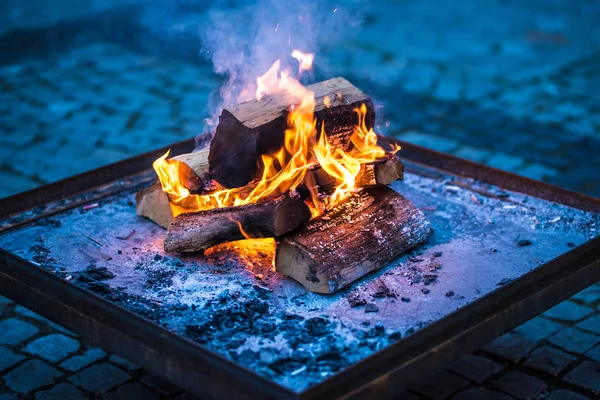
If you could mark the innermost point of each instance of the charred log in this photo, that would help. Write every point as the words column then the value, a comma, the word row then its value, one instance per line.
column 192, row 232
column 358, row 236
column 258, row 127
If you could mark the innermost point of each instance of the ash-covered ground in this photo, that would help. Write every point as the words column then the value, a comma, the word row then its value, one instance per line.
column 235, row 304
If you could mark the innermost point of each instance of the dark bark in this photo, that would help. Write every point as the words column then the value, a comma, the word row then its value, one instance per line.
column 192, row 232
column 358, row 236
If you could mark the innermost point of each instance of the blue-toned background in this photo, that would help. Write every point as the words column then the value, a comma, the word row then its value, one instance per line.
column 512, row 84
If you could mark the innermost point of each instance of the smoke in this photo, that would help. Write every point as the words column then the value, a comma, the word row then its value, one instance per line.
column 243, row 39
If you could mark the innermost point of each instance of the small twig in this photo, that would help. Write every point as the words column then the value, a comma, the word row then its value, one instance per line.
column 486, row 193
column 128, row 236
column 92, row 239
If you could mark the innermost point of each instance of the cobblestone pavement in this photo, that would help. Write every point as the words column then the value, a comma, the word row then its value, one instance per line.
column 510, row 84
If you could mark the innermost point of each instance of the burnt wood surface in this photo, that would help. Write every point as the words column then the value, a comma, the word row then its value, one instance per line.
column 358, row 236
column 197, row 231
column 257, row 127
column 153, row 204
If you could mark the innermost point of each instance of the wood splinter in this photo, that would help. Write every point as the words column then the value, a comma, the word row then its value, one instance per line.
column 354, row 238
column 197, row 231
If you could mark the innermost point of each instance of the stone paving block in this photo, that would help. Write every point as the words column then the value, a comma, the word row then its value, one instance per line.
column 131, row 391
column 31, row 375
column 160, row 384
column 520, row 385
column 441, row 386
column 14, row 331
column 574, row 340
column 3, row 300
column 99, row 378
column 53, row 347
column 8, row 358
column 594, row 354
column 569, row 311
column 430, row 141
column 9, row 396
column 128, row 365
column 538, row 328
column 76, row 363
column 549, row 360
column 511, row 346
column 479, row 393
column 589, row 296
column 591, row 324
column 563, row 394
column 61, row 391
column 476, row 368
column 586, row 376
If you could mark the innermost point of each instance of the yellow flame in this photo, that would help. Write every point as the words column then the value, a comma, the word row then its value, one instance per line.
column 286, row 169
column 327, row 102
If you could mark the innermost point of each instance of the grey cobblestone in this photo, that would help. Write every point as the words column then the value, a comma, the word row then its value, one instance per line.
column 476, row 368
column 14, row 331
column 569, row 311
column 591, row 324
column 512, row 346
column 76, row 363
column 441, row 386
column 549, row 360
column 31, row 375
column 53, row 347
column 99, row 378
column 61, row 391
column 8, row 358
column 520, row 385
column 563, row 394
column 574, row 340
column 131, row 391
column 586, row 376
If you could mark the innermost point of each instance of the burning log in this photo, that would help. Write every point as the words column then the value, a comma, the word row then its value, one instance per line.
column 153, row 204
column 379, row 173
column 193, row 170
column 357, row 236
column 258, row 127
column 191, row 232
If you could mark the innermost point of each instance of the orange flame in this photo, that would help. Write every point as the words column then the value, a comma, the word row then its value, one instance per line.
column 286, row 169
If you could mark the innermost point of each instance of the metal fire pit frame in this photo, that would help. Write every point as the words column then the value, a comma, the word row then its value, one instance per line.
column 208, row 374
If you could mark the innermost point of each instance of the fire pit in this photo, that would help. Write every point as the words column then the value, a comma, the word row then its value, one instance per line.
column 224, row 324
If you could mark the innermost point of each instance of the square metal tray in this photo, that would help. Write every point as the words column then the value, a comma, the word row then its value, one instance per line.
column 484, row 285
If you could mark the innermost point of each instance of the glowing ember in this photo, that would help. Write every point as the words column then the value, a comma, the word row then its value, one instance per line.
column 286, row 169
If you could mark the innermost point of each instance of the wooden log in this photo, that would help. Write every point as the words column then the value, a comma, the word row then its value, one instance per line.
column 258, row 126
column 193, row 170
column 192, row 232
column 378, row 173
column 153, row 204
column 356, row 237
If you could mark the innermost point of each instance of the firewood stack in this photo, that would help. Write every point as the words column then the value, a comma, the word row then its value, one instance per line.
column 324, row 254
